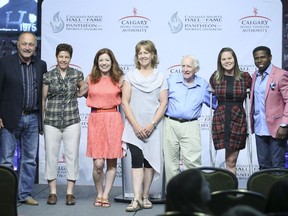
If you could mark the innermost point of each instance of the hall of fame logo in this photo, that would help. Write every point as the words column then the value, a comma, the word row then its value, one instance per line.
column 134, row 23
column 255, row 23
column 57, row 23
column 84, row 120
column 205, row 121
column 76, row 23
column 119, row 170
column 250, row 68
column 175, row 23
column 195, row 23
column 126, row 67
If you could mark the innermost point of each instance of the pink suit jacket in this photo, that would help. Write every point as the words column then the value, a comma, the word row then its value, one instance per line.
column 276, row 100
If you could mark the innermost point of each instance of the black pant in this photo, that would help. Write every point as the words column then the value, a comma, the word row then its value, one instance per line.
column 137, row 156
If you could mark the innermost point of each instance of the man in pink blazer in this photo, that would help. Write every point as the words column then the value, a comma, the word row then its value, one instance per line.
column 269, row 110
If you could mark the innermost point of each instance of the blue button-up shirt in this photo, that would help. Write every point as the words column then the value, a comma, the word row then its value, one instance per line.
column 186, row 101
column 260, row 125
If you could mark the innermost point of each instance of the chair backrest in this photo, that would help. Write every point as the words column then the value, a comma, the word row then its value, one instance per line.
column 8, row 191
column 261, row 181
column 222, row 201
column 219, row 179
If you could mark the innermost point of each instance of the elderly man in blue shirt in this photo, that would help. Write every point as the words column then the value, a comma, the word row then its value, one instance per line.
column 186, row 95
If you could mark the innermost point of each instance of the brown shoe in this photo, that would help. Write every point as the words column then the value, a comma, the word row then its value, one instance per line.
column 30, row 201
column 70, row 199
column 52, row 199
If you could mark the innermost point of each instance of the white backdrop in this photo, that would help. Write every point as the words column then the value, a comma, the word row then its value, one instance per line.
column 178, row 28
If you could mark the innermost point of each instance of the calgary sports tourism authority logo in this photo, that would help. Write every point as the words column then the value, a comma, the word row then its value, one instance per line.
column 195, row 23
column 134, row 23
column 255, row 23
column 76, row 23
column 176, row 68
column 61, row 169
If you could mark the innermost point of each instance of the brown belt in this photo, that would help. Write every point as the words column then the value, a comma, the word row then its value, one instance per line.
column 97, row 110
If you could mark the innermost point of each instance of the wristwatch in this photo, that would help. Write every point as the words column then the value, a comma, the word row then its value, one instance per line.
column 154, row 124
column 284, row 125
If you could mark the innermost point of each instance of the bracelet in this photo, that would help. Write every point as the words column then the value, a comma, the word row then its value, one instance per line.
column 154, row 124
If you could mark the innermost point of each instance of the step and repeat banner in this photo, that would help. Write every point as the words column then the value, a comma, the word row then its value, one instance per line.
column 178, row 28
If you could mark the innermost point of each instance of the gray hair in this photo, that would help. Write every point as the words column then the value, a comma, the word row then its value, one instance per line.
column 195, row 61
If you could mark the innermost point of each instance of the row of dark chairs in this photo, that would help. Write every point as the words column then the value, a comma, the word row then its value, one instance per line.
column 260, row 181
column 225, row 193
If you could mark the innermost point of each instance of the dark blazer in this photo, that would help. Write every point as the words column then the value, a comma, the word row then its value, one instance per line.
column 11, row 90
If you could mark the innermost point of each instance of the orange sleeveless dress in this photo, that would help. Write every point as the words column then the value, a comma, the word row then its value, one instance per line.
column 105, row 124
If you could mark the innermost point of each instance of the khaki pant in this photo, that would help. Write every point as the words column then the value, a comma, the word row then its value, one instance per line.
column 181, row 141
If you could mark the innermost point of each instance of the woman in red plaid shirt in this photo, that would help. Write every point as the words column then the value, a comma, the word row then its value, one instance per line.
column 229, row 127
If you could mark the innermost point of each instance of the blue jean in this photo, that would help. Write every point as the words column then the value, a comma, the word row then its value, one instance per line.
column 270, row 152
column 27, row 134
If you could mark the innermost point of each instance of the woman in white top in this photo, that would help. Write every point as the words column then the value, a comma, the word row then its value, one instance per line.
column 144, row 101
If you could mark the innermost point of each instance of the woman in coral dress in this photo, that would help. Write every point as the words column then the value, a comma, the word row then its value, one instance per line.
column 105, row 125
